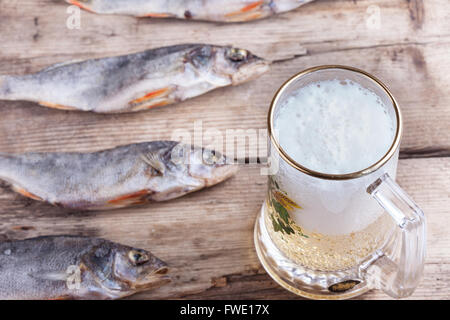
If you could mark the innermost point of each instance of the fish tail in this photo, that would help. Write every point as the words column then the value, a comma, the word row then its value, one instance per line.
column 7, row 88
column 5, row 163
column 8, row 164
column 9, row 167
column 3, row 87
column 18, row 87
column 4, row 159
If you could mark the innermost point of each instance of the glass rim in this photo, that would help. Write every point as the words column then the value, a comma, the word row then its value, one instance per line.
column 391, row 151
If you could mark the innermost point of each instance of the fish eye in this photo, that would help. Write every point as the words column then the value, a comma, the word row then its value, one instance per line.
column 237, row 55
column 138, row 257
column 212, row 157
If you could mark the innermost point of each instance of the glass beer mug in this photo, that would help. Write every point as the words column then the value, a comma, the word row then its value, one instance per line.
column 336, row 236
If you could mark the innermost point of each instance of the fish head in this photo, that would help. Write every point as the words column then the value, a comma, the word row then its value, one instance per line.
column 120, row 271
column 210, row 167
column 240, row 65
column 179, row 169
column 222, row 66
column 139, row 269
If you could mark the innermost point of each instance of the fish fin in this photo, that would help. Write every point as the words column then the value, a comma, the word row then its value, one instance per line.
column 2, row 89
column 160, row 104
column 247, row 16
column 253, row 16
column 63, row 297
column 156, row 94
column 80, row 5
column 56, row 106
column 154, row 104
column 242, row 13
column 57, row 65
column 130, row 199
column 157, row 15
column 153, row 160
column 25, row 193
column 5, row 89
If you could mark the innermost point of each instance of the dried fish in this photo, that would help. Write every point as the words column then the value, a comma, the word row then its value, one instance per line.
column 123, row 176
column 73, row 267
column 210, row 10
column 135, row 82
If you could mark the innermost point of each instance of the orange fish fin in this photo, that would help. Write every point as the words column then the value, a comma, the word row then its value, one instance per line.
column 152, row 95
column 153, row 104
column 247, row 8
column 253, row 16
column 157, row 15
column 26, row 193
column 159, row 104
column 130, row 199
column 55, row 106
column 64, row 297
column 252, row 6
column 80, row 5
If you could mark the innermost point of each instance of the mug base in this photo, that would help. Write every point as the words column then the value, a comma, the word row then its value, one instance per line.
column 311, row 284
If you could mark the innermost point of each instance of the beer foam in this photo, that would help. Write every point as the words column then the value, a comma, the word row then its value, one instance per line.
column 334, row 127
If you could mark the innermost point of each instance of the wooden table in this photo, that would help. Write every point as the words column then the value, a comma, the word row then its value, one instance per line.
column 207, row 237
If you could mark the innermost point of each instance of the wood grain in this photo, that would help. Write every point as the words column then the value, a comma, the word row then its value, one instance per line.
column 207, row 236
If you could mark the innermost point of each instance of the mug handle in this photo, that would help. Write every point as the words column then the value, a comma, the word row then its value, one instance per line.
column 397, row 268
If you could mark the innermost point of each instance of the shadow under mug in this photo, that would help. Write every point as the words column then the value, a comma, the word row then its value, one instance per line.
column 336, row 236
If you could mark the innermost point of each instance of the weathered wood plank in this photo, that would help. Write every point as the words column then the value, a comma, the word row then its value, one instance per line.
column 258, row 285
column 324, row 24
column 207, row 237
column 409, row 60
column 419, row 87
